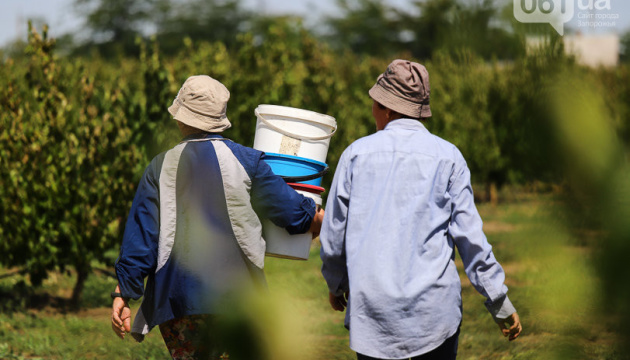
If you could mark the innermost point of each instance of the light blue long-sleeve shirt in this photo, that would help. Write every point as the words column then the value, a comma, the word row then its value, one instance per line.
column 399, row 203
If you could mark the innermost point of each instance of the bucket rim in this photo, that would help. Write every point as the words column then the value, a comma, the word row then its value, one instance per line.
column 296, row 158
column 307, row 187
column 313, row 116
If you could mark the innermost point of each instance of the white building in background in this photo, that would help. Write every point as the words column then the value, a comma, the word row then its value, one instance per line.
column 592, row 50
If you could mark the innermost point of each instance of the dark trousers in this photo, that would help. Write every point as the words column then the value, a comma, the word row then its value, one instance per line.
column 446, row 351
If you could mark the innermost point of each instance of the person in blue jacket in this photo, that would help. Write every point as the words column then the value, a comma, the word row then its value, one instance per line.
column 194, row 230
column 399, row 204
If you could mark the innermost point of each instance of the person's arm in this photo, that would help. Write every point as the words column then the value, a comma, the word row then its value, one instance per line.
column 481, row 267
column 333, row 235
column 138, row 252
column 273, row 199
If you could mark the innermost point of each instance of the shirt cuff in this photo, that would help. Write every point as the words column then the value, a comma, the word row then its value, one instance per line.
column 500, row 309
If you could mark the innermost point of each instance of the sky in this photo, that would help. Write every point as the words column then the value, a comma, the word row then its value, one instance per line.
column 61, row 18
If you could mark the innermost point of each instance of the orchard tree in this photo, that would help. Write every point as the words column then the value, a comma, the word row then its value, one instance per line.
column 365, row 27
column 68, row 167
column 424, row 28
column 201, row 20
column 477, row 26
column 114, row 25
column 115, row 20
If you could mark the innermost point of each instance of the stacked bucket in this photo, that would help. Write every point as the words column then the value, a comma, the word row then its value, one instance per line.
column 295, row 142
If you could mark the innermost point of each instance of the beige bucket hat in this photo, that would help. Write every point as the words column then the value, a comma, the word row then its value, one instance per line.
column 202, row 104
column 404, row 88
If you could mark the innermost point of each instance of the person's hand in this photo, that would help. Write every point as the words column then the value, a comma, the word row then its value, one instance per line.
column 511, row 326
column 338, row 303
column 121, row 317
column 316, row 224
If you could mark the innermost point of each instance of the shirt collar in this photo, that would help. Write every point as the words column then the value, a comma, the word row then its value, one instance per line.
column 407, row 124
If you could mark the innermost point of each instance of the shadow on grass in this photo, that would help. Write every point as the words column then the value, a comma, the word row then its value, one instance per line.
column 22, row 297
column 17, row 295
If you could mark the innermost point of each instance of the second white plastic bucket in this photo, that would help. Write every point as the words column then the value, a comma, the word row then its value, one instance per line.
column 292, row 131
column 281, row 244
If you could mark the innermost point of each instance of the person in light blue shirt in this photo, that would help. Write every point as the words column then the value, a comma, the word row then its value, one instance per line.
column 399, row 204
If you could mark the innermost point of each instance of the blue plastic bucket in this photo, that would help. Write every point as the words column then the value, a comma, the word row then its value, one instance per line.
column 296, row 169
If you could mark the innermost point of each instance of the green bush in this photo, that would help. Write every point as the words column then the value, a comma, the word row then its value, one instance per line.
column 68, row 164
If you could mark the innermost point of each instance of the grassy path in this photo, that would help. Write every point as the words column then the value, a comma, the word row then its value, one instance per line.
column 549, row 273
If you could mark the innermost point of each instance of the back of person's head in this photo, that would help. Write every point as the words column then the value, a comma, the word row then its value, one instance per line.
column 202, row 104
column 404, row 88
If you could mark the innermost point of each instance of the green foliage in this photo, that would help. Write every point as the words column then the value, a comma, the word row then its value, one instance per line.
column 371, row 27
column 424, row 29
column 625, row 48
column 598, row 182
column 201, row 20
column 15, row 294
column 97, row 291
column 7, row 353
column 115, row 20
column 67, row 162
column 366, row 26
column 115, row 24
column 460, row 105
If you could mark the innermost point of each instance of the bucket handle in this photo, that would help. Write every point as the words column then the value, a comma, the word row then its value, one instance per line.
column 295, row 179
column 295, row 136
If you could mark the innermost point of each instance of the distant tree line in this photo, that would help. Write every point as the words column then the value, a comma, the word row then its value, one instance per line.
column 421, row 29
column 115, row 25
column 365, row 26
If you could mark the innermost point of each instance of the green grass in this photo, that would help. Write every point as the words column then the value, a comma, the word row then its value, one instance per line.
column 552, row 284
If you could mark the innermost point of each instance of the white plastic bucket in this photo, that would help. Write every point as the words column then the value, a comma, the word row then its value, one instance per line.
column 281, row 244
column 292, row 131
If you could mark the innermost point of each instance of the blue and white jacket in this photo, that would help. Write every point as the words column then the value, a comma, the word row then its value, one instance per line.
column 194, row 230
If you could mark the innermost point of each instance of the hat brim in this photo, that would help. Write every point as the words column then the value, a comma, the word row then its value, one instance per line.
column 198, row 121
column 400, row 105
